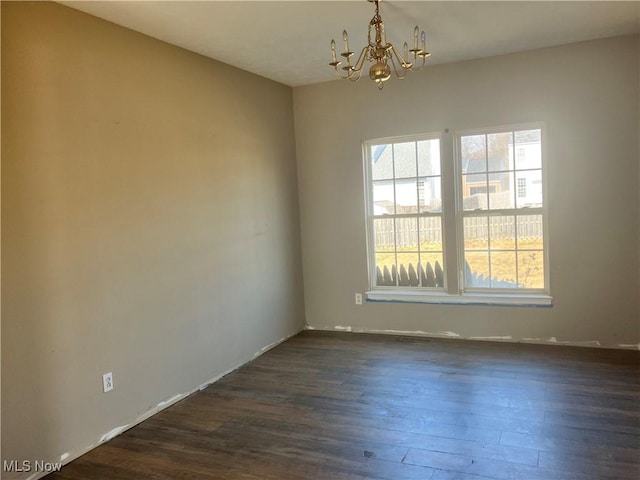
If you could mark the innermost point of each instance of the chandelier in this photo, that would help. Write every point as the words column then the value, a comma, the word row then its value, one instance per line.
column 384, row 56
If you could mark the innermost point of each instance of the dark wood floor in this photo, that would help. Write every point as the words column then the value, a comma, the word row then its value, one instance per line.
column 352, row 406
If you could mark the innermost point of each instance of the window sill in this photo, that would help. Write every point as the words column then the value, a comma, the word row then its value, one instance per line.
column 442, row 298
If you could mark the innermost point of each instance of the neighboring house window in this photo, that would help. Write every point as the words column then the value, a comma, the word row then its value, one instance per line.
column 486, row 223
column 522, row 187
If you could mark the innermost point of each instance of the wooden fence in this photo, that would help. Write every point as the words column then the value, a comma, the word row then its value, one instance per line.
column 410, row 231
column 411, row 276
column 432, row 277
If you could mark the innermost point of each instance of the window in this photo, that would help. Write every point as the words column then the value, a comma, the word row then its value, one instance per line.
column 473, row 232
column 502, row 227
column 406, row 213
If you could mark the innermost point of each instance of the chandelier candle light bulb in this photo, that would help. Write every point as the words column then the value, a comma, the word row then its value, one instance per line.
column 385, row 57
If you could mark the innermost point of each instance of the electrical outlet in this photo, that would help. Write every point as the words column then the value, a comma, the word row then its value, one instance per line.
column 358, row 299
column 107, row 382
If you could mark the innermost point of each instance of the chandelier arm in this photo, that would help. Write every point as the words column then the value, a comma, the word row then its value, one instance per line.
column 399, row 71
column 348, row 71
column 424, row 62
column 404, row 62
column 361, row 58
column 417, row 69
column 340, row 75
column 356, row 72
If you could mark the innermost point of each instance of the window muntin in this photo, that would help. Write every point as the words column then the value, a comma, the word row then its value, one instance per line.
column 405, row 213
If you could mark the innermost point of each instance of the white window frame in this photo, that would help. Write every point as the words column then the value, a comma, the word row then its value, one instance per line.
column 452, row 224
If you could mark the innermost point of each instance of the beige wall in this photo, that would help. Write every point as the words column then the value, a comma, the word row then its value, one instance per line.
column 587, row 94
column 149, row 225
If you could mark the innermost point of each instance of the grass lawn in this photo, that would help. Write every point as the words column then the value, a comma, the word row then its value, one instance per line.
column 499, row 260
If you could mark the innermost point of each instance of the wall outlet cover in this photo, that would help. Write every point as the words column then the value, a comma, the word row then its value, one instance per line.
column 107, row 382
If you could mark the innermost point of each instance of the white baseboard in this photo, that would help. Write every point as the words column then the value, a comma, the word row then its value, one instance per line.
column 506, row 339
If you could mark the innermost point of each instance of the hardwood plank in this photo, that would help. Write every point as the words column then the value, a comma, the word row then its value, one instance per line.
column 553, row 443
column 485, row 467
column 610, row 422
column 603, row 467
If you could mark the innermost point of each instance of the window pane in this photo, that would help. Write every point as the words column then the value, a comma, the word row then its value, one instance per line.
column 386, row 272
column 477, row 269
column 407, row 196
column 476, row 233
column 407, row 269
column 430, row 271
column 528, row 151
column 500, row 190
column 531, row 269
column 429, row 157
column 384, row 234
column 529, row 188
column 475, row 190
column 381, row 162
column 530, row 251
column 473, row 156
column 473, row 153
column 499, row 155
column 404, row 159
column 530, row 232
column 503, row 270
column 407, row 233
column 430, row 195
column 430, row 234
column 503, row 233
column 383, row 198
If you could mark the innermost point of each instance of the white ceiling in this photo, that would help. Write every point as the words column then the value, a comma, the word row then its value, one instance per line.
column 288, row 41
